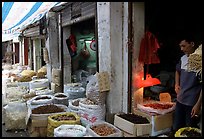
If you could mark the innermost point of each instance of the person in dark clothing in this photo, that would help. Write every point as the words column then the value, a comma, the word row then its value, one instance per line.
column 188, row 88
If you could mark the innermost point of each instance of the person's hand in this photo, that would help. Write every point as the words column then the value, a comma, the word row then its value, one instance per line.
column 195, row 110
column 177, row 88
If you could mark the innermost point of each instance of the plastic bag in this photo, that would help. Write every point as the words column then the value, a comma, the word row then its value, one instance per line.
column 116, row 132
column 16, row 115
column 92, row 91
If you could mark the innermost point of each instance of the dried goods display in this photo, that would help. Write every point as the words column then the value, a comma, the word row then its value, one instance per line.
column 41, row 99
column 158, row 105
column 50, row 108
column 188, row 132
column 60, row 95
column 64, row 117
column 70, row 131
column 44, row 97
column 75, row 103
column 136, row 119
column 195, row 62
column 191, row 133
column 55, row 120
column 103, row 129
column 23, row 79
column 61, row 98
column 88, row 102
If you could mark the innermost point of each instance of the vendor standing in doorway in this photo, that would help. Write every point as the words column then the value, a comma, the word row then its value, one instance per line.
column 188, row 88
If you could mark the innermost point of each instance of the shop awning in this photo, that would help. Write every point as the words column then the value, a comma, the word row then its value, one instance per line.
column 18, row 15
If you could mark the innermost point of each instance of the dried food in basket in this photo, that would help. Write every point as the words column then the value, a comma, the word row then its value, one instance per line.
column 188, row 132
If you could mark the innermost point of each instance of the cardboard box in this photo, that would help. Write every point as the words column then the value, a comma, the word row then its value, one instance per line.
column 103, row 81
column 130, row 129
column 160, row 123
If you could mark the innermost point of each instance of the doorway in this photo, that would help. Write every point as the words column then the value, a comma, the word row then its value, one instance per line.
column 168, row 21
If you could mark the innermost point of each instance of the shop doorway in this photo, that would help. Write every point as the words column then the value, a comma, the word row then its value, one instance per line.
column 85, row 58
column 168, row 21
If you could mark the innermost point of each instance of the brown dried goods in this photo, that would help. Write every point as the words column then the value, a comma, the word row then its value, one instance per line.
column 136, row 119
column 47, row 109
column 88, row 102
column 46, row 97
column 60, row 95
column 64, row 117
column 41, row 75
column 75, row 103
column 103, row 130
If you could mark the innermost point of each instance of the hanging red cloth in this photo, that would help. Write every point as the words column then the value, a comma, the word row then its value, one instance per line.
column 73, row 41
column 72, row 45
column 148, row 49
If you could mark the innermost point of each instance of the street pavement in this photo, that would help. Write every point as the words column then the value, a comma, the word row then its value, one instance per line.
column 19, row 133
column 15, row 133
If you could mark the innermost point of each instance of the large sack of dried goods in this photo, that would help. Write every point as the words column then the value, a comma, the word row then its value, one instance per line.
column 41, row 112
column 66, row 130
column 103, row 129
column 61, row 98
column 41, row 99
column 91, row 112
column 74, row 105
column 30, row 73
column 74, row 90
column 15, row 93
column 188, row 132
column 39, row 83
column 43, row 69
column 56, row 120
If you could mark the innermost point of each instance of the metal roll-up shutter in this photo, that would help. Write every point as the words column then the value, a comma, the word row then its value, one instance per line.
column 77, row 12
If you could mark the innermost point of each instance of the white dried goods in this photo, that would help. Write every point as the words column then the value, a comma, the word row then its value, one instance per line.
column 70, row 131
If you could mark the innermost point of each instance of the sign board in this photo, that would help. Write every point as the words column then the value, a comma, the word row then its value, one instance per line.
column 103, row 81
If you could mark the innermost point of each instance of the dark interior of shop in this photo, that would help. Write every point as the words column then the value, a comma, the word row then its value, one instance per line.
column 168, row 20
column 84, row 60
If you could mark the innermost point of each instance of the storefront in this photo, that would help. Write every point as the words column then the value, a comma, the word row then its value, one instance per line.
column 34, row 41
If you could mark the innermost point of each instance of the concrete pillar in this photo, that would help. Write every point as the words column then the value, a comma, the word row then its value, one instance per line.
column 113, row 49
column 66, row 56
column 110, row 46
column 52, row 43
column 138, row 32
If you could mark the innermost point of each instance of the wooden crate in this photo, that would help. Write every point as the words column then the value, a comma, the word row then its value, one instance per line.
column 160, row 123
column 130, row 129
